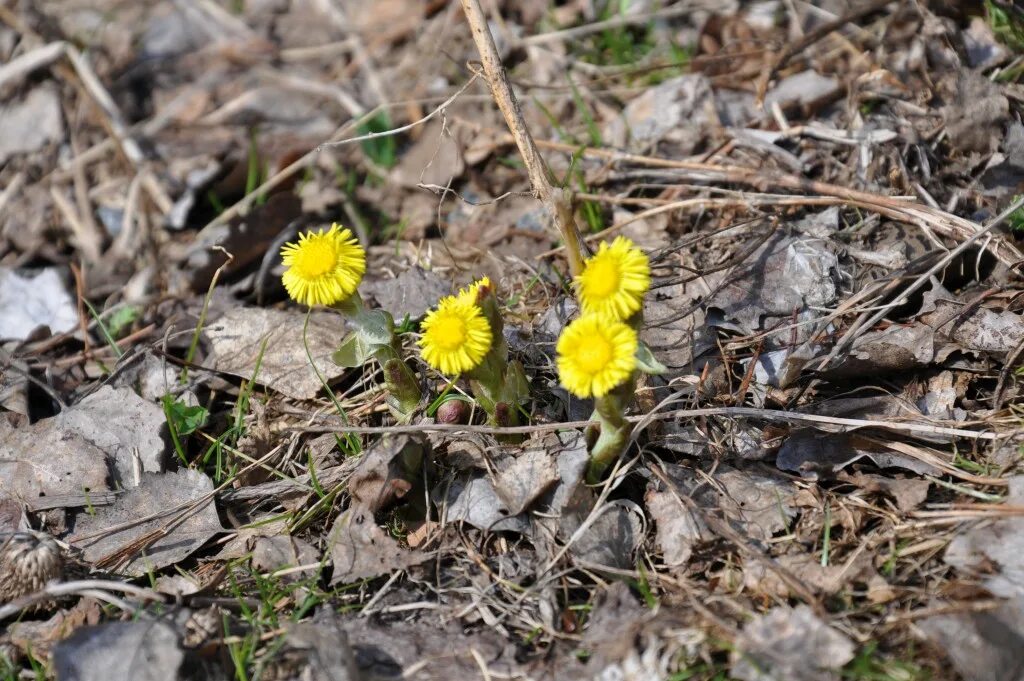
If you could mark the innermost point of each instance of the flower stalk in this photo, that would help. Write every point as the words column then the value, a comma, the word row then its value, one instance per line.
column 326, row 268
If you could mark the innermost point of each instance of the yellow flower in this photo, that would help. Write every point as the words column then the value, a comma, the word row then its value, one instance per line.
column 323, row 267
column 472, row 292
column 595, row 354
column 456, row 335
column 614, row 280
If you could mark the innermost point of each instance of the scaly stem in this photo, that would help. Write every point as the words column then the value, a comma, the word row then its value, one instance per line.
column 613, row 437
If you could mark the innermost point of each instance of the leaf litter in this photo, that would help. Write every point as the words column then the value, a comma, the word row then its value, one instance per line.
column 823, row 484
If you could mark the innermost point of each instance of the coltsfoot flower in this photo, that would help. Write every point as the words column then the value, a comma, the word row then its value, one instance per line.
column 595, row 354
column 472, row 292
column 456, row 335
column 323, row 267
column 614, row 280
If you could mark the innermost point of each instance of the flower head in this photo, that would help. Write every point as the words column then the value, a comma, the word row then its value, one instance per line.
column 456, row 335
column 472, row 292
column 323, row 267
column 595, row 354
column 614, row 280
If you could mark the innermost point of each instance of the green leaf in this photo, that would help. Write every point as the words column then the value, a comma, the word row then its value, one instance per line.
column 121, row 319
column 352, row 352
column 646, row 362
column 186, row 419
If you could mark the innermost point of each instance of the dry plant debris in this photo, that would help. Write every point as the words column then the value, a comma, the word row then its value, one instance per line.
column 664, row 339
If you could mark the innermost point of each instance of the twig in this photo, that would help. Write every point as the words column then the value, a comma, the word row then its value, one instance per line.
column 557, row 201
column 76, row 587
column 735, row 412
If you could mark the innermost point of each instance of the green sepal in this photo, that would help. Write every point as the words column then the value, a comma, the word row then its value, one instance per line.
column 646, row 361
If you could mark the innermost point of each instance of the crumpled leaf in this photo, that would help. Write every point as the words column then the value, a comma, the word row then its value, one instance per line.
column 528, row 476
column 994, row 551
column 786, row 275
column 322, row 648
column 892, row 350
column 677, row 529
column 30, row 123
column 814, row 454
column 679, row 111
column 790, row 644
column 983, row 646
column 980, row 330
column 143, row 650
column 387, row 471
column 236, row 339
column 124, row 426
column 360, row 549
column 41, row 460
column 29, row 300
column 102, row 535
column 473, row 499
column 412, row 293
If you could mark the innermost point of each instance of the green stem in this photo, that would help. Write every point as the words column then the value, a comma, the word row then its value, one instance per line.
column 614, row 431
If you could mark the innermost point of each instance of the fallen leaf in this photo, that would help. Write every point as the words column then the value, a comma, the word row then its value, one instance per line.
column 30, row 123
column 412, row 293
column 680, row 111
column 29, row 300
column 238, row 336
column 529, row 475
column 993, row 551
column 789, row 644
column 362, row 550
column 41, row 460
column 124, row 426
column 983, row 646
column 387, row 471
column 474, row 500
column 109, row 530
column 144, row 650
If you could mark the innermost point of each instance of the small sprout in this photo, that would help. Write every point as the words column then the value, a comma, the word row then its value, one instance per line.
column 1016, row 219
column 596, row 354
column 324, row 268
column 456, row 335
column 614, row 280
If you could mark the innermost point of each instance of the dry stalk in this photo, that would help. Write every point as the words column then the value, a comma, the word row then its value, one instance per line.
column 556, row 200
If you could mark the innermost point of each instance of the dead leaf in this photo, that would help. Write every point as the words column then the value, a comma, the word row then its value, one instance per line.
column 362, row 550
column 677, row 529
column 126, row 427
column 387, row 471
column 143, row 650
column 237, row 338
column 529, row 475
column 993, row 551
column 790, row 644
column 983, row 646
column 474, row 500
column 680, row 111
column 109, row 530
column 30, row 123
column 412, row 293
column 29, row 300
column 41, row 460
